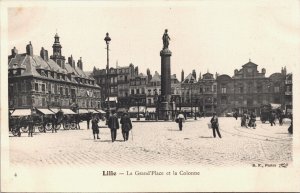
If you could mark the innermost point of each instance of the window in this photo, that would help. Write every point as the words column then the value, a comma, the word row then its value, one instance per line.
column 132, row 91
column 67, row 91
column 36, row 87
column 214, row 88
column 201, row 89
column 223, row 90
column 259, row 88
column 55, row 89
column 223, row 99
column 149, row 101
column 43, row 88
column 61, row 90
column 276, row 89
column 138, row 91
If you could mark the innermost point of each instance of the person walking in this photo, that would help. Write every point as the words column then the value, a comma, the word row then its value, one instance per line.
column 180, row 119
column 88, row 119
column 54, row 123
column 126, row 126
column 252, row 120
column 272, row 118
column 95, row 127
column 244, row 120
column 215, row 125
column 290, row 129
column 113, row 124
column 235, row 115
column 30, row 126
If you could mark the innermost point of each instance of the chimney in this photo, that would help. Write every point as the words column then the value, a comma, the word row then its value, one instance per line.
column 182, row 75
column 44, row 54
column 14, row 52
column 71, row 61
column 29, row 49
column 79, row 63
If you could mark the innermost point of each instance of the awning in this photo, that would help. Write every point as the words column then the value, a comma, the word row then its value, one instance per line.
column 135, row 109
column 21, row 112
column 122, row 110
column 55, row 110
column 92, row 111
column 100, row 111
column 83, row 111
column 151, row 110
column 188, row 109
column 45, row 111
column 275, row 106
column 112, row 99
column 68, row 112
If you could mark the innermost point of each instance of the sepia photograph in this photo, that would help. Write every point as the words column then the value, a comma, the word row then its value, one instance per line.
column 130, row 96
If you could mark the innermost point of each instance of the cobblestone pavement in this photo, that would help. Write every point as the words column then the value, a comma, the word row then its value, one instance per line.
column 157, row 143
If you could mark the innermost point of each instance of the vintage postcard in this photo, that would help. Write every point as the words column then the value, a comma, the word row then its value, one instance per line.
column 139, row 96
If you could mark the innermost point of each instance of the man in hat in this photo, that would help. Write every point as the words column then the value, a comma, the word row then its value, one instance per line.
column 126, row 126
column 215, row 125
column 113, row 124
column 95, row 127
column 180, row 119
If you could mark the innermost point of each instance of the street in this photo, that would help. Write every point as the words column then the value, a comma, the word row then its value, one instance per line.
column 157, row 143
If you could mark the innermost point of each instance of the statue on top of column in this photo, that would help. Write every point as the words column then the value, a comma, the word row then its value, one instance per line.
column 166, row 39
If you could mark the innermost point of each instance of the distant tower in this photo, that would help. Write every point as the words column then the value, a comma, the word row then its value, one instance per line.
column 182, row 75
column 194, row 74
column 57, row 57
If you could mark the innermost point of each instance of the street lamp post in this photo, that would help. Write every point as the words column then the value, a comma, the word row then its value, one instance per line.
column 107, row 39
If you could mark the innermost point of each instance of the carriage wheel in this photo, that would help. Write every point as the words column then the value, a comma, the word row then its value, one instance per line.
column 39, row 127
column 66, row 126
column 73, row 126
column 14, row 131
column 24, row 129
column 48, row 126
column 58, row 126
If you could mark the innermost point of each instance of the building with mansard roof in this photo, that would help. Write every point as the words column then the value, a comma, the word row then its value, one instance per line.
column 43, row 82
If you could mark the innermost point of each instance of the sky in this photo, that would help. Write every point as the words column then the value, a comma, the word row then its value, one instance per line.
column 208, row 36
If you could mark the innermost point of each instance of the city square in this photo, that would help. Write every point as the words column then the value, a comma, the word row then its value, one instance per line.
column 157, row 143
column 121, row 97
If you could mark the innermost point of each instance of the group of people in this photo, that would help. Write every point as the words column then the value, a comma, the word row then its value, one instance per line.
column 113, row 125
column 248, row 120
column 214, row 123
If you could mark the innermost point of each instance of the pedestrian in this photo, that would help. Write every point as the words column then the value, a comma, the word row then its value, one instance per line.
column 113, row 124
column 290, row 129
column 252, row 120
column 280, row 117
column 88, row 119
column 272, row 118
column 235, row 115
column 180, row 119
column 244, row 120
column 95, row 127
column 215, row 125
column 185, row 115
column 126, row 126
column 30, row 125
column 77, row 121
column 54, row 123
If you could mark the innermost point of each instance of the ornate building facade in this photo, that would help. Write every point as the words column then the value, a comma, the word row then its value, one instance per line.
column 248, row 89
column 43, row 82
